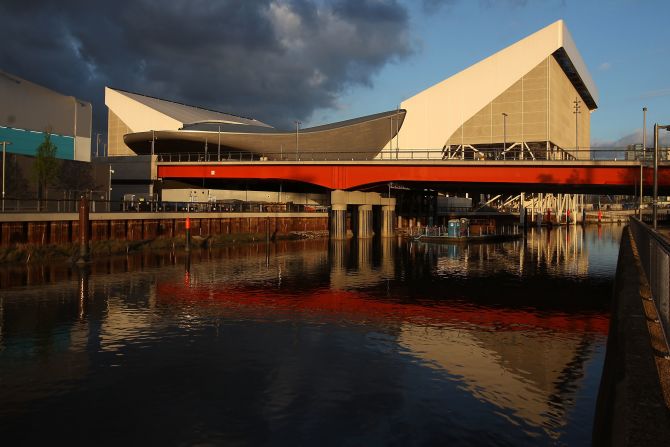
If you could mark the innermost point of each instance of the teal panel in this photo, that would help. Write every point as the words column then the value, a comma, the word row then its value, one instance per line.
column 25, row 142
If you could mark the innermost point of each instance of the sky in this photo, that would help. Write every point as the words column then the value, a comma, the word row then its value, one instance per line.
column 327, row 60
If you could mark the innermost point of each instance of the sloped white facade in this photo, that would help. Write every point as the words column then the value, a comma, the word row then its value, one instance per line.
column 434, row 114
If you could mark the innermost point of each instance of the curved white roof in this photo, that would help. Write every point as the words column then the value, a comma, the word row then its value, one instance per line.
column 141, row 113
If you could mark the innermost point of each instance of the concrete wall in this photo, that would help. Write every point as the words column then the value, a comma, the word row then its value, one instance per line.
column 116, row 129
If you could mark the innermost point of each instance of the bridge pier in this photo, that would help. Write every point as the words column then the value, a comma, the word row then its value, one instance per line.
column 364, row 221
column 364, row 230
column 388, row 217
column 338, row 221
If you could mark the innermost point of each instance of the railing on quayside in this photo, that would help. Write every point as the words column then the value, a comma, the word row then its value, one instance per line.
column 403, row 155
column 654, row 253
column 24, row 205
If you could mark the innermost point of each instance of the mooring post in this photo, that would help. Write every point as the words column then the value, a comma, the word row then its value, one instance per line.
column 83, row 229
column 188, row 234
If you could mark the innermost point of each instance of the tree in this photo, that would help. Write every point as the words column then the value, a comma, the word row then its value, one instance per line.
column 76, row 176
column 46, row 166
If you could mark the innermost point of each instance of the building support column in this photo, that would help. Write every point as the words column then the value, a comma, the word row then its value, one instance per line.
column 338, row 222
column 388, row 217
column 365, row 222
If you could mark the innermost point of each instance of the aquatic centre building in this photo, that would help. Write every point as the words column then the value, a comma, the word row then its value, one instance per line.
column 532, row 99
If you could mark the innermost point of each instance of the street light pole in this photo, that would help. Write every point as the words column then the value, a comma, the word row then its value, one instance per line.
column 655, row 198
column 577, row 112
column 74, row 142
column 504, row 115
column 4, row 146
column 297, row 132
column 644, row 153
column 109, row 190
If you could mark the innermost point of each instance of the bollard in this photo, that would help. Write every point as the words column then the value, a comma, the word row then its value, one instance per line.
column 188, row 234
column 83, row 230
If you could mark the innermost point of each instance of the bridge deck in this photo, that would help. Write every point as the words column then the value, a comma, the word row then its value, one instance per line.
column 536, row 175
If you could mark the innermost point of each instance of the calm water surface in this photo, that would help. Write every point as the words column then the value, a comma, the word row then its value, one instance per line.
column 312, row 343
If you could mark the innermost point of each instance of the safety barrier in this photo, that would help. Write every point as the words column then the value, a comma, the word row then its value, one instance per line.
column 654, row 252
column 446, row 154
column 13, row 205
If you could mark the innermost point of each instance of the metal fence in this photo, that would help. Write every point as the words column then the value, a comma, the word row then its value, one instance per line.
column 654, row 251
column 12, row 205
column 470, row 153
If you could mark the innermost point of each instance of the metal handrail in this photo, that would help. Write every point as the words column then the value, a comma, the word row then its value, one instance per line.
column 43, row 206
column 654, row 252
column 403, row 155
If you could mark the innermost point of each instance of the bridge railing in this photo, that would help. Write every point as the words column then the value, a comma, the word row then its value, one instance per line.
column 479, row 153
column 654, row 251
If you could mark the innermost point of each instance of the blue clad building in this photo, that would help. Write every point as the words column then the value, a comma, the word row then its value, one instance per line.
column 28, row 111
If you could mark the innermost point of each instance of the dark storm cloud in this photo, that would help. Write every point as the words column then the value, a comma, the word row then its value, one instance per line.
column 271, row 60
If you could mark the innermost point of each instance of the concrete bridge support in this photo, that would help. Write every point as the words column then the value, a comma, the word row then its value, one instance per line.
column 338, row 221
column 362, row 215
column 388, row 218
column 365, row 229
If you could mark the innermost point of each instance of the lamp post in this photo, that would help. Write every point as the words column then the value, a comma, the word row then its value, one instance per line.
column 297, row 133
column 74, row 141
column 97, row 144
column 109, row 191
column 655, row 199
column 644, row 153
column 504, row 115
column 4, row 147
column 578, row 106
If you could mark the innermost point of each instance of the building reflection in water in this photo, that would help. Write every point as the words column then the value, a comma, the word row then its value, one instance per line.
column 475, row 314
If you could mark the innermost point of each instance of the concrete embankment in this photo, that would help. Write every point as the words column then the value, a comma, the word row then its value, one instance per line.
column 632, row 409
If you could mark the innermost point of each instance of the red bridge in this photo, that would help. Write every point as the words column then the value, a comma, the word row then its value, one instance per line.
column 519, row 175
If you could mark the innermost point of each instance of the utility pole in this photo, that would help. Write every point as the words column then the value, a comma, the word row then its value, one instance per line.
column 297, row 132
column 109, row 189
column 504, row 115
column 397, row 131
column 97, row 144
column 655, row 197
column 577, row 111
column 644, row 155
column 218, row 147
column 4, row 148
column 74, row 145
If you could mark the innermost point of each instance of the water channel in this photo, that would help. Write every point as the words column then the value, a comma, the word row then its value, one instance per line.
column 381, row 342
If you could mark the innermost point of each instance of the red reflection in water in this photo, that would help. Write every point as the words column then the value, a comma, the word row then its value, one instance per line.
column 360, row 306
